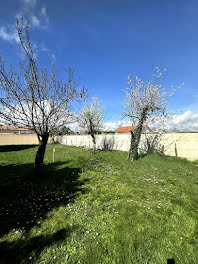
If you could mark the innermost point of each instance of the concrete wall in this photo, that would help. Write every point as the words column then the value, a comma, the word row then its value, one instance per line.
column 12, row 139
column 183, row 145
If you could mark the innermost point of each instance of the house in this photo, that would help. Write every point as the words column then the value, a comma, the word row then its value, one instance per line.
column 145, row 128
column 15, row 130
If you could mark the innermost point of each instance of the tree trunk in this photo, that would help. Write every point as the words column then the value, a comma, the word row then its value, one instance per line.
column 133, row 148
column 41, row 152
column 135, row 137
column 39, row 138
column 94, row 143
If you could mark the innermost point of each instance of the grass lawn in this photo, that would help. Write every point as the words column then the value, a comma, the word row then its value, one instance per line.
column 97, row 208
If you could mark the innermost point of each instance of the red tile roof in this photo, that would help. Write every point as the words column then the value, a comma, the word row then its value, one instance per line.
column 128, row 128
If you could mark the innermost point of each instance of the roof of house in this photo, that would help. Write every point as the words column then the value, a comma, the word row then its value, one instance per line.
column 128, row 128
column 14, row 128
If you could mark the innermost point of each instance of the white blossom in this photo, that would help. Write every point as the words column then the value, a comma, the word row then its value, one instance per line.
column 91, row 116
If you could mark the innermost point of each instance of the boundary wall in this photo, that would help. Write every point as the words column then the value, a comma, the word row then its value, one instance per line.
column 19, row 139
column 184, row 145
column 14, row 139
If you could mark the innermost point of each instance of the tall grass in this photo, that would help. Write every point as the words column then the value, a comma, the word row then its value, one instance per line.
column 97, row 208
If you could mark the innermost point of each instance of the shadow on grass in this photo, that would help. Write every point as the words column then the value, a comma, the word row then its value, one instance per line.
column 24, row 202
column 29, row 250
column 9, row 148
column 170, row 261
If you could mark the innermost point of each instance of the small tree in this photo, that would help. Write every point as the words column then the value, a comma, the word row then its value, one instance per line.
column 35, row 97
column 91, row 118
column 64, row 131
column 145, row 101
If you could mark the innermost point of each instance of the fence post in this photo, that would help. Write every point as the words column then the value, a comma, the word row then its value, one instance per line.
column 53, row 155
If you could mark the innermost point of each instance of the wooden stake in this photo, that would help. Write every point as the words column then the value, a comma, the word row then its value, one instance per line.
column 53, row 155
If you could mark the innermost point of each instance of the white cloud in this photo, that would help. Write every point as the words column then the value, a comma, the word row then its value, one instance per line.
column 29, row 2
column 9, row 35
column 111, row 126
column 35, row 21
column 21, row 114
column 187, row 121
column 43, row 11
column 30, row 12
column 44, row 49
column 108, row 126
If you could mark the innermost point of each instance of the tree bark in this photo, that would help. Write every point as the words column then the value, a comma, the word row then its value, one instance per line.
column 39, row 138
column 132, row 145
column 41, row 152
column 94, row 142
column 135, row 137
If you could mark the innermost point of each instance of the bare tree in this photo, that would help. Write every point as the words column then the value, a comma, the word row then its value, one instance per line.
column 34, row 97
column 91, row 118
column 145, row 101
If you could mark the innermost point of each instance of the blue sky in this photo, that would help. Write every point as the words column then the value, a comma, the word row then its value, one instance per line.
column 105, row 40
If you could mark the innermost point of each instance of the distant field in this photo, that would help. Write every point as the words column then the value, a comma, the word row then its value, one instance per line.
column 97, row 208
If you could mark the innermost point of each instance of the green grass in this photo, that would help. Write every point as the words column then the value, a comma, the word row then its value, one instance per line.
column 97, row 208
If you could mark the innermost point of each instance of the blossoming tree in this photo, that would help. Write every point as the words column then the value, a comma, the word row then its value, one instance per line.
column 145, row 101
column 91, row 119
